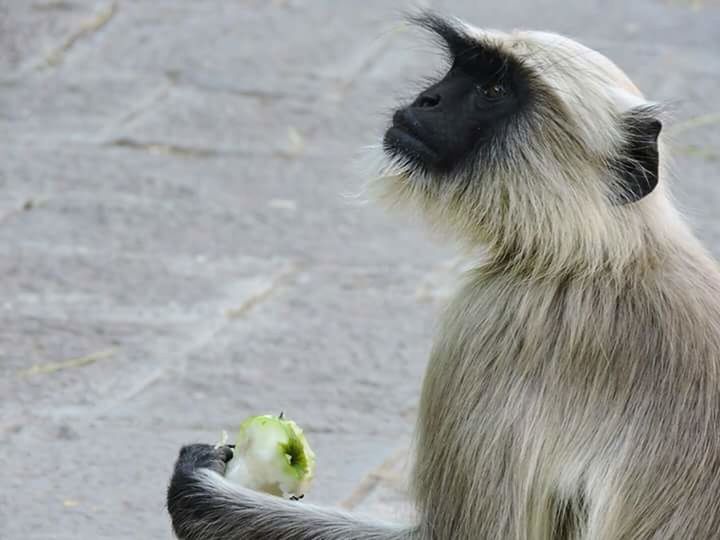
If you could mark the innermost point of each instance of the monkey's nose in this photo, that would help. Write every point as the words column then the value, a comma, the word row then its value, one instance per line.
column 408, row 122
column 427, row 101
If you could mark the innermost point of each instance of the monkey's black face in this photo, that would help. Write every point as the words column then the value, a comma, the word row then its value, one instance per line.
column 452, row 120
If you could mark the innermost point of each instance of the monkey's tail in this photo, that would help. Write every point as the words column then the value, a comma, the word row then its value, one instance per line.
column 218, row 510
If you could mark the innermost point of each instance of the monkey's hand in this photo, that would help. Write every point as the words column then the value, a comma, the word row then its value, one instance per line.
column 186, row 484
column 202, row 456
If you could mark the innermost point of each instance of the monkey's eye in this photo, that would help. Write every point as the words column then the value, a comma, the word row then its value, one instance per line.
column 492, row 91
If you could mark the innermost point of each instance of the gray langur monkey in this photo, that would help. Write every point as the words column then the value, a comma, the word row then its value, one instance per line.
column 573, row 391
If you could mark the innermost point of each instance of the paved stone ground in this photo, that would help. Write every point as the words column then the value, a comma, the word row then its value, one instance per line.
column 176, row 252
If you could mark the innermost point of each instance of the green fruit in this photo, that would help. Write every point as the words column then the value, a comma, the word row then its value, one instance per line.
column 272, row 455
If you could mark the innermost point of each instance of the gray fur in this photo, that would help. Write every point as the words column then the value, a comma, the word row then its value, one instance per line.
column 243, row 513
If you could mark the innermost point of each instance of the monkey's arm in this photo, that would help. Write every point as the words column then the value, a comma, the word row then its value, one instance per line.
column 203, row 505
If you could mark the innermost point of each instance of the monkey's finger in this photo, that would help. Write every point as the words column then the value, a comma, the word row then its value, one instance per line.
column 226, row 453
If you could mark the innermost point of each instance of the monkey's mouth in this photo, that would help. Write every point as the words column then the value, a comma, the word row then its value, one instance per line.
column 403, row 140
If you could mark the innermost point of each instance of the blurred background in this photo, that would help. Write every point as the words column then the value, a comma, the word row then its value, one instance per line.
column 176, row 252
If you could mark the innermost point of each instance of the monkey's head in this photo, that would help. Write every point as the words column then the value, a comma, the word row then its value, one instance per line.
column 530, row 144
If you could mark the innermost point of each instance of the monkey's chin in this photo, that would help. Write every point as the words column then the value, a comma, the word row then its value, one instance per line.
column 401, row 145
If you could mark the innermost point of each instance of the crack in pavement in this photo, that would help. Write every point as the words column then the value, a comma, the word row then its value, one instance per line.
column 87, row 29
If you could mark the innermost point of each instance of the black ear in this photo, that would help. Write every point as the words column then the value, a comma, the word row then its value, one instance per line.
column 637, row 161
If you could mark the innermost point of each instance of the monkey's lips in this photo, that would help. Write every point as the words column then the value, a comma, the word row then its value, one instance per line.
column 404, row 139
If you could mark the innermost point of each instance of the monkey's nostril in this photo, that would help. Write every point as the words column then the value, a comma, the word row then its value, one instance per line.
column 427, row 101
